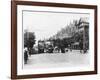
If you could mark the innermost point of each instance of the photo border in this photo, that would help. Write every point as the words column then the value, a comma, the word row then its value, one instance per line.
column 14, row 38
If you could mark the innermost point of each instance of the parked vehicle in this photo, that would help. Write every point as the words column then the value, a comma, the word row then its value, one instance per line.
column 41, row 46
column 45, row 46
column 49, row 47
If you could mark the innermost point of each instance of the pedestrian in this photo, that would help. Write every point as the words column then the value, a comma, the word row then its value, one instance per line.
column 25, row 55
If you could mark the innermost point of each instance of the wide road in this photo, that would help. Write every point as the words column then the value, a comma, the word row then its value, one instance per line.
column 68, row 59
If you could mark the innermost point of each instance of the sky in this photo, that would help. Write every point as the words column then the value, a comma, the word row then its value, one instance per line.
column 47, row 24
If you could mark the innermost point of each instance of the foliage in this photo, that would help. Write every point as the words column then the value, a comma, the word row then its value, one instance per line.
column 29, row 39
column 71, row 34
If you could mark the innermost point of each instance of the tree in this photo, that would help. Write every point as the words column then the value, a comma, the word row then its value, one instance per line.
column 29, row 39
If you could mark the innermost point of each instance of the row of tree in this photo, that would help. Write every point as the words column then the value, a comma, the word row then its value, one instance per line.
column 67, row 36
column 29, row 39
column 71, row 34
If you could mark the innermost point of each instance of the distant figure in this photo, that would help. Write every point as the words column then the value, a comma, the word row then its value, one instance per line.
column 25, row 55
column 85, row 49
column 70, row 47
column 62, row 48
column 57, row 49
column 30, row 51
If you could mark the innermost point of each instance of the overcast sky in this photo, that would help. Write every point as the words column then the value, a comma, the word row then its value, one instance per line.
column 46, row 24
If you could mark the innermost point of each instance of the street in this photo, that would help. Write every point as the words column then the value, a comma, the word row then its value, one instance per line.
column 50, row 60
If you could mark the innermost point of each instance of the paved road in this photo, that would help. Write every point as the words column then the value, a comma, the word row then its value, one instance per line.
column 68, row 59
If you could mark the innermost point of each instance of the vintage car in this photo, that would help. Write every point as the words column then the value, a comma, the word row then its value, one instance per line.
column 45, row 47
column 41, row 47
